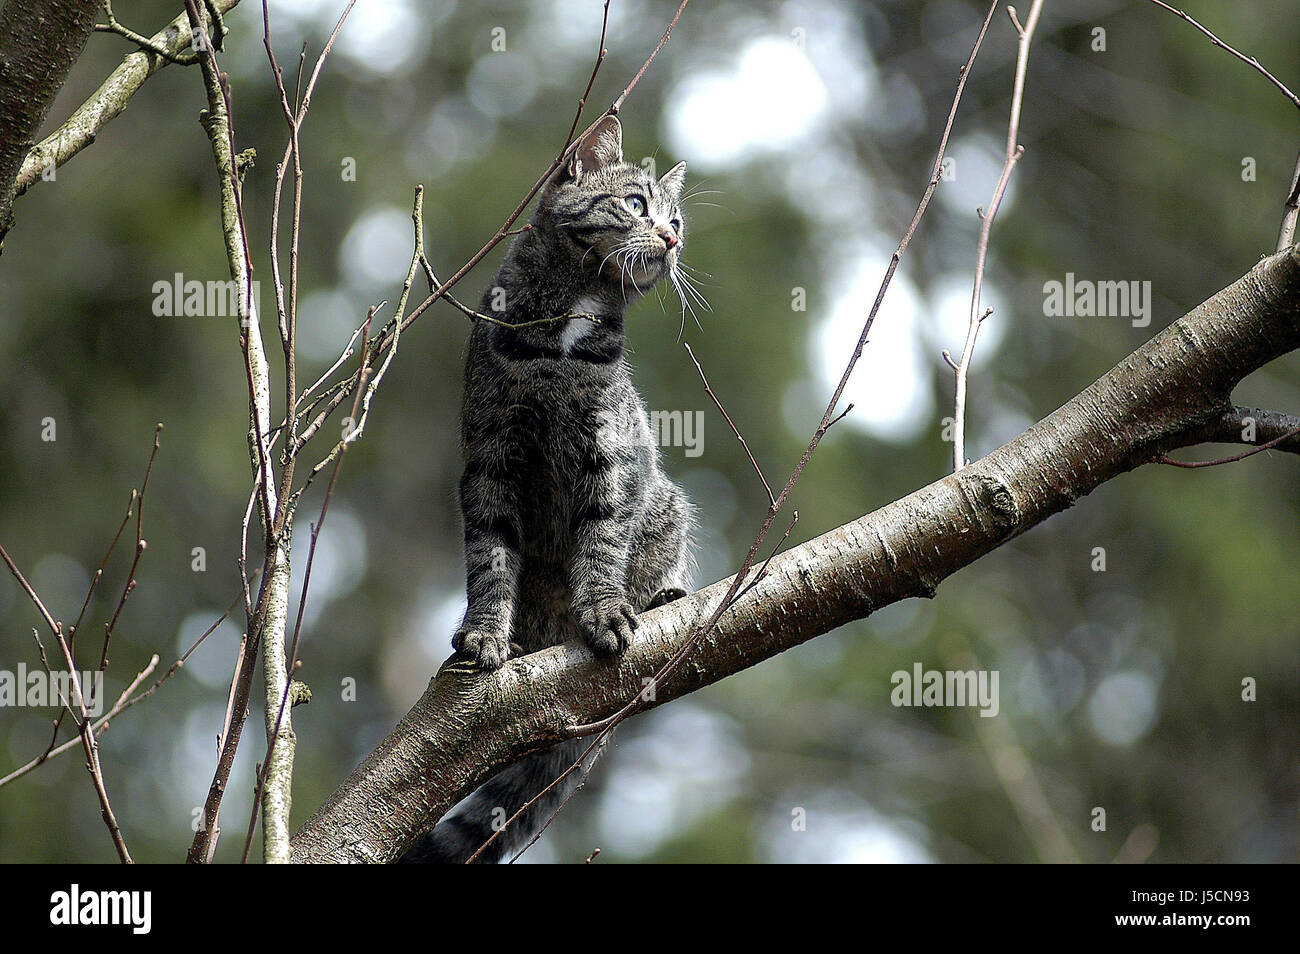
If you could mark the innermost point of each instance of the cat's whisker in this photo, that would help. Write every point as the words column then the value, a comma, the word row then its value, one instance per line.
column 689, row 284
column 678, row 279
column 695, row 272
column 624, row 268
column 621, row 247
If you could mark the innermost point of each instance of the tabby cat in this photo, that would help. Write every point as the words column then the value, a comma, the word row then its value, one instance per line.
column 571, row 526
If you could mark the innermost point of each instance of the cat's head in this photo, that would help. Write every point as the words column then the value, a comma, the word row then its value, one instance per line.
column 621, row 222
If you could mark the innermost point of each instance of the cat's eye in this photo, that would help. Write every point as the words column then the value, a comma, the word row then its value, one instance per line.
column 635, row 204
column 676, row 224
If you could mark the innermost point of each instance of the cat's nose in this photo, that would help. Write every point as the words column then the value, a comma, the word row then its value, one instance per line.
column 669, row 238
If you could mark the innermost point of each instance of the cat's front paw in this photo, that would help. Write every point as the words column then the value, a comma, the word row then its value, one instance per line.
column 608, row 626
column 488, row 650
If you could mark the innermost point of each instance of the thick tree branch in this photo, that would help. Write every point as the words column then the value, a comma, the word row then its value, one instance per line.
column 1169, row 393
column 40, row 40
column 1236, row 426
column 112, row 97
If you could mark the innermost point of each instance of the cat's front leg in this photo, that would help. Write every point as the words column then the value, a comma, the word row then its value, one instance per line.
column 598, row 569
column 492, row 535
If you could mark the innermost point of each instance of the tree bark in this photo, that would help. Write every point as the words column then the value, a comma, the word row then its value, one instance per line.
column 40, row 40
column 1173, row 391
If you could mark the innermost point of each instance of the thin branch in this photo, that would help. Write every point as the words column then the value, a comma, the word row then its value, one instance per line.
column 1245, row 425
column 91, row 746
column 272, row 593
column 1249, row 60
column 1290, row 212
column 600, row 58
column 1014, row 151
column 743, row 443
column 145, row 43
column 668, row 32
column 1291, row 207
column 79, row 715
column 100, row 727
column 129, row 586
column 762, row 570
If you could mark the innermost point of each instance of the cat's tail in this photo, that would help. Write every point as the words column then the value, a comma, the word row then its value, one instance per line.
column 457, row 837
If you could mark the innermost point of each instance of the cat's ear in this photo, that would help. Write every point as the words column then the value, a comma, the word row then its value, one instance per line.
column 674, row 178
column 599, row 148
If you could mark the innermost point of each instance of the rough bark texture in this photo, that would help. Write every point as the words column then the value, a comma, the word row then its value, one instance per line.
column 40, row 40
column 1171, row 392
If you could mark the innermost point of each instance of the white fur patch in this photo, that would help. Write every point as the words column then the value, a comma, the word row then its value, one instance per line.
column 575, row 329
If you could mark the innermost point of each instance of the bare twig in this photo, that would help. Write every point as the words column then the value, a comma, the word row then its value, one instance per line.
column 79, row 714
column 600, row 58
column 145, row 43
column 272, row 593
column 1291, row 207
column 1290, row 212
column 1249, row 60
column 1193, row 464
column 122, row 704
column 743, row 443
column 129, row 586
column 1014, row 151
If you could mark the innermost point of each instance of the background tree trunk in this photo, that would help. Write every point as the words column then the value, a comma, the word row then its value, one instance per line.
column 40, row 40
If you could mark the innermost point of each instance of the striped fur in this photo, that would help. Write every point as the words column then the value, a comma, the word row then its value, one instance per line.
column 571, row 526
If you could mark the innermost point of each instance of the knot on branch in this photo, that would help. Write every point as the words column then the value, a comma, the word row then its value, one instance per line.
column 245, row 161
column 994, row 499
column 299, row 693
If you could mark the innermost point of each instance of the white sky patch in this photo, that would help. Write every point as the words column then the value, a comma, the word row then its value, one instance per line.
column 326, row 320
column 948, row 318
column 307, row 11
column 385, row 36
column 846, row 206
column 896, row 108
column 890, row 386
column 573, row 28
column 768, row 100
column 407, row 662
column 212, row 662
column 435, row 620
column 337, row 568
column 689, row 765
column 1123, row 708
column 379, row 36
column 976, row 165
column 377, row 249
column 839, row 829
